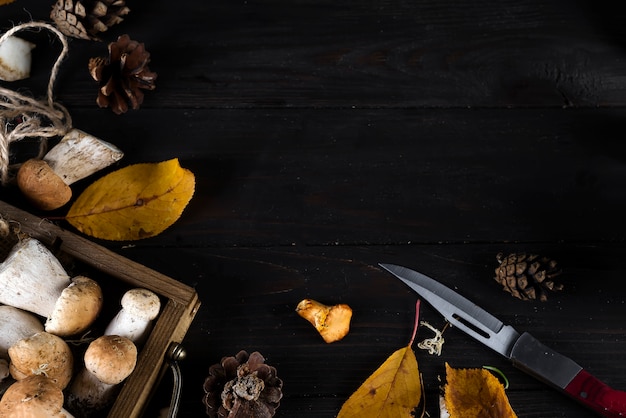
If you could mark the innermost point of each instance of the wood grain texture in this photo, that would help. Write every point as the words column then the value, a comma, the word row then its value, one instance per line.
column 328, row 136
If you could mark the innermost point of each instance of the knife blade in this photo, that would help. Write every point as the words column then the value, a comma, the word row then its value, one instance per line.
column 523, row 350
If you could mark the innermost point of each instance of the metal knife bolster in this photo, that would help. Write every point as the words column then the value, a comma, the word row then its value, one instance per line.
column 540, row 361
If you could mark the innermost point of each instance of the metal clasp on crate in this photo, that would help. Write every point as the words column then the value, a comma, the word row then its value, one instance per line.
column 175, row 353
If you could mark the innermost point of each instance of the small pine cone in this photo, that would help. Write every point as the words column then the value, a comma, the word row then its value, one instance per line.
column 527, row 276
column 242, row 387
column 87, row 19
column 122, row 75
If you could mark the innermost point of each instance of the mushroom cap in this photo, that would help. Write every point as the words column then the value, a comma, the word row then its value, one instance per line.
column 77, row 308
column 16, row 324
column 141, row 302
column 33, row 397
column 42, row 353
column 42, row 186
column 111, row 358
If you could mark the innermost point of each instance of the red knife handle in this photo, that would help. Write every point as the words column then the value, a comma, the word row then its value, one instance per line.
column 596, row 395
column 535, row 358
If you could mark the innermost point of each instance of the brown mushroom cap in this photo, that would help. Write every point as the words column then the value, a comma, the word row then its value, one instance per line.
column 35, row 397
column 77, row 308
column 141, row 302
column 42, row 353
column 42, row 186
column 111, row 358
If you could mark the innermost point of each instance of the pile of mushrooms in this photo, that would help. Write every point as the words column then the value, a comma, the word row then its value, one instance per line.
column 41, row 307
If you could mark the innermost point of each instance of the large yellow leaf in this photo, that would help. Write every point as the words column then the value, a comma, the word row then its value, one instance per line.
column 475, row 393
column 135, row 202
column 394, row 390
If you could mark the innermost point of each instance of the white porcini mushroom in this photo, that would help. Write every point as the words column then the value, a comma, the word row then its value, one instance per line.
column 42, row 353
column 15, row 58
column 134, row 320
column 16, row 324
column 109, row 360
column 33, row 279
column 35, row 397
column 46, row 182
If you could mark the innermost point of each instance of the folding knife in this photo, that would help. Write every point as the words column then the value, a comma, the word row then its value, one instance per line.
column 525, row 352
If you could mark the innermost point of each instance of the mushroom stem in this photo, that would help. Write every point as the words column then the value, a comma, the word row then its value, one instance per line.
column 87, row 393
column 134, row 320
column 15, row 58
column 4, row 369
column 16, row 324
column 79, row 155
column 33, row 279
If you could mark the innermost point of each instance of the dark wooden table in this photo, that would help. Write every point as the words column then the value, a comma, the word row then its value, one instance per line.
column 329, row 136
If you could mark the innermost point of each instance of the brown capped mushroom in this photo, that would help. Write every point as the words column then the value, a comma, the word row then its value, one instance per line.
column 41, row 186
column 33, row 279
column 16, row 324
column 109, row 360
column 42, row 353
column 139, row 308
column 46, row 182
column 34, row 397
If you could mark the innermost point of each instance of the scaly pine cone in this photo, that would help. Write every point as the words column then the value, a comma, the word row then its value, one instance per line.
column 527, row 276
column 87, row 19
column 242, row 387
column 122, row 75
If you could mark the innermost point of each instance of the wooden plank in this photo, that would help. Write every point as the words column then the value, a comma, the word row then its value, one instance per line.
column 255, row 291
column 394, row 53
column 383, row 176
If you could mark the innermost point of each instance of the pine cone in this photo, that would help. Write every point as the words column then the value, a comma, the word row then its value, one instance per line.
column 86, row 19
column 527, row 276
column 242, row 387
column 123, row 75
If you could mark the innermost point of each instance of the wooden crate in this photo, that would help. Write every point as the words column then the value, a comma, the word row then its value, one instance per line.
column 180, row 303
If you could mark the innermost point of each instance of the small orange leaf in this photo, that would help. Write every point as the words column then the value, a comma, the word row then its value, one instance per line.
column 394, row 390
column 3, row 2
column 475, row 393
column 135, row 202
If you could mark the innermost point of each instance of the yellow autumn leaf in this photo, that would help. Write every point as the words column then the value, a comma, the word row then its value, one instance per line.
column 394, row 390
column 3, row 2
column 135, row 202
column 475, row 393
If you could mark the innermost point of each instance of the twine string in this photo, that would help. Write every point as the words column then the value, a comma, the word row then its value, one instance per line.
column 22, row 116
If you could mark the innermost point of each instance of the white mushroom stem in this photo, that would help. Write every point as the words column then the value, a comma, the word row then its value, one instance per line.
column 78, row 155
column 16, row 324
column 33, row 279
column 134, row 320
column 15, row 58
column 4, row 369
column 88, row 393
